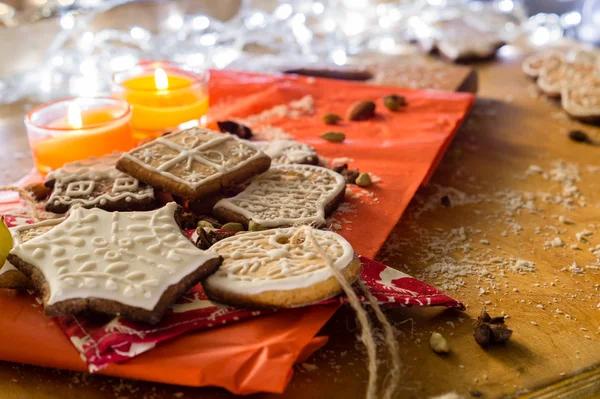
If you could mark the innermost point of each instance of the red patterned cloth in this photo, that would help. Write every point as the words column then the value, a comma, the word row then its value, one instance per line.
column 104, row 340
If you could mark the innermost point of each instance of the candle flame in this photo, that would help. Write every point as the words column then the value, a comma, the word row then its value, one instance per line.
column 160, row 79
column 74, row 116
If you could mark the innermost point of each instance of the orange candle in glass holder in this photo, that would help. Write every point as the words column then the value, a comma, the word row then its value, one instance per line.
column 162, row 95
column 78, row 128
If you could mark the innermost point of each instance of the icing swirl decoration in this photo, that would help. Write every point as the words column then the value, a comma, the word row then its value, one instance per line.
column 128, row 257
column 277, row 260
column 287, row 195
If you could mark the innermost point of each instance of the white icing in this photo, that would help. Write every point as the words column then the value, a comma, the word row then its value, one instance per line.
column 132, row 257
column 268, row 265
column 287, row 151
column 17, row 239
column 75, row 183
column 178, row 152
column 287, row 195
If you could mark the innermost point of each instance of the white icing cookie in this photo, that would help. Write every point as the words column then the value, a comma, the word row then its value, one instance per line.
column 280, row 268
column 194, row 162
column 96, row 182
column 583, row 103
column 535, row 63
column 286, row 195
column 558, row 77
column 23, row 233
column 131, row 258
column 288, row 152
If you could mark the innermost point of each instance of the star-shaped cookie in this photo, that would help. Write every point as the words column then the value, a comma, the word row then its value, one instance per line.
column 96, row 182
column 10, row 277
column 194, row 163
column 280, row 267
column 132, row 264
column 285, row 195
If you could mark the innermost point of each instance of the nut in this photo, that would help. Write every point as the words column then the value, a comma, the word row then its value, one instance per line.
column 334, row 137
column 438, row 343
column 363, row 180
column 393, row 102
column 253, row 226
column 38, row 190
column 361, row 110
column 205, row 224
column 232, row 226
column 331, row 119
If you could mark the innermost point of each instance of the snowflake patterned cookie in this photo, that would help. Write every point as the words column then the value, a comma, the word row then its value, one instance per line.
column 281, row 267
column 194, row 163
column 288, row 152
column 10, row 277
column 285, row 195
column 133, row 264
column 96, row 182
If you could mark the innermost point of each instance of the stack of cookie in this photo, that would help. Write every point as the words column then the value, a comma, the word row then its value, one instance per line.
column 122, row 251
column 574, row 78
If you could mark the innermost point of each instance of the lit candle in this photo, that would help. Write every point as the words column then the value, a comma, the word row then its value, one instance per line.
column 78, row 128
column 162, row 96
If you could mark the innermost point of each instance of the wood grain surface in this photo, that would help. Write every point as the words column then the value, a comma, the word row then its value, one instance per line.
column 500, row 214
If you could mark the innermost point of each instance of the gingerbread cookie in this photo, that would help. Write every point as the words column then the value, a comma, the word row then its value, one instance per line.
column 458, row 40
column 288, row 152
column 97, row 183
column 10, row 277
column 194, row 163
column 132, row 264
column 583, row 103
column 281, row 268
column 535, row 63
column 285, row 195
column 556, row 78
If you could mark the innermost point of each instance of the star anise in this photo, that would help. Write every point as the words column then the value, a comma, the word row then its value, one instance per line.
column 207, row 238
column 491, row 330
column 235, row 128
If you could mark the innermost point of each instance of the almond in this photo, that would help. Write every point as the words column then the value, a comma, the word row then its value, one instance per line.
column 361, row 110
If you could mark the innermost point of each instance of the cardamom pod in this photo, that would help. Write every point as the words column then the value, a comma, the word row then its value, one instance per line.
column 232, row 226
column 331, row 119
column 361, row 110
column 393, row 102
column 363, row 180
column 253, row 226
column 334, row 137
column 205, row 223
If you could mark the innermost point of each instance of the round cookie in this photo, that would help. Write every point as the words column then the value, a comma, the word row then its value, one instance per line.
column 280, row 268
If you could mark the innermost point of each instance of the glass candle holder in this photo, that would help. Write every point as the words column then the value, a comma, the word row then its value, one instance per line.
column 78, row 128
column 163, row 95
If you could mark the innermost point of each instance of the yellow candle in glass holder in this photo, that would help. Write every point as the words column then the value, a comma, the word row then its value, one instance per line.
column 163, row 96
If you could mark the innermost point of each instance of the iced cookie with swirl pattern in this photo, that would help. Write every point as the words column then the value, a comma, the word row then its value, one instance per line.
column 281, row 268
column 96, row 182
column 10, row 276
column 285, row 195
column 194, row 163
column 554, row 79
column 132, row 264
column 583, row 103
column 288, row 152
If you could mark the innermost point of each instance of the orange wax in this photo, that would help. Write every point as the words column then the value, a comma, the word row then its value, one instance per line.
column 158, row 109
column 100, row 133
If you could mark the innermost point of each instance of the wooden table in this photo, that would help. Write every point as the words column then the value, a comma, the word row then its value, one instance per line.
column 554, row 310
